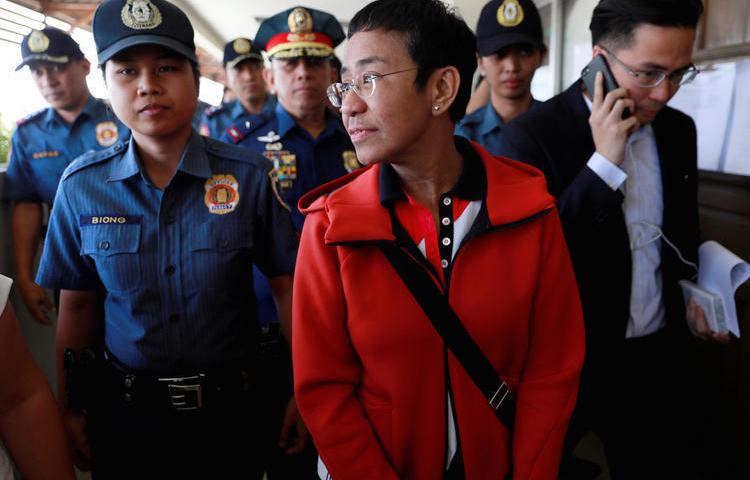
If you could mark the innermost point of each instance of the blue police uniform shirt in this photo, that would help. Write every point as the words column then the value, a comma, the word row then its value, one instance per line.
column 216, row 120
column 44, row 144
column 200, row 110
column 300, row 163
column 175, row 263
column 485, row 127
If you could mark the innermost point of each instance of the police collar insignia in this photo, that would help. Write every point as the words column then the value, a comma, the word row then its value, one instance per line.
column 38, row 41
column 350, row 160
column 241, row 46
column 510, row 13
column 300, row 21
column 222, row 194
column 269, row 137
column 106, row 134
column 141, row 15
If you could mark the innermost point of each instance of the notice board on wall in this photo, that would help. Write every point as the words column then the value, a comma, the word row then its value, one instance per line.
column 718, row 100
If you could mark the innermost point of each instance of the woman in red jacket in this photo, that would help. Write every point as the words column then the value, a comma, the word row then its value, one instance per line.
column 383, row 395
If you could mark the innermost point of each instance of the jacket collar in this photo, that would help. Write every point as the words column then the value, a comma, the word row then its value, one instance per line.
column 471, row 185
column 236, row 110
column 513, row 192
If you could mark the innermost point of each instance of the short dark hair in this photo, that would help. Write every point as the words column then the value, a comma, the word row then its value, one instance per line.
column 613, row 22
column 435, row 37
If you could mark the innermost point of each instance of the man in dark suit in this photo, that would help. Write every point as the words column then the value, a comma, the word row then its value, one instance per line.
column 627, row 196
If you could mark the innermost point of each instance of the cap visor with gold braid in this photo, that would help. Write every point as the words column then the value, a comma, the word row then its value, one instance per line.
column 303, row 33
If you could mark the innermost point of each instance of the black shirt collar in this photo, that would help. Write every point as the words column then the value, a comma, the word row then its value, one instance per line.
column 471, row 185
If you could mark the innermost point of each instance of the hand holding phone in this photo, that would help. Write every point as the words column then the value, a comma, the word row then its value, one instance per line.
column 610, row 120
column 588, row 75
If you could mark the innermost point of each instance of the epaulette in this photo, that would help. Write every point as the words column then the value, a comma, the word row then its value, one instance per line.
column 211, row 111
column 30, row 117
column 248, row 124
column 233, row 152
column 92, row 157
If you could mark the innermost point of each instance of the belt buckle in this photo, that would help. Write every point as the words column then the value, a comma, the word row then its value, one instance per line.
column 500, row 395
column 185, row 393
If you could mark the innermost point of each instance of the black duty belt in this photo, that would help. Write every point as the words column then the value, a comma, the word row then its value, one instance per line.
column 180, row 393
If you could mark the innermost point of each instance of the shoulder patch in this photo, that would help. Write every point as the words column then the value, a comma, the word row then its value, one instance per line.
column 247, row 125
column 30, row 117
column 92, row 157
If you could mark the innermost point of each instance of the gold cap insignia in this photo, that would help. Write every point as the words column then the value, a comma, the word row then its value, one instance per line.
column 300, row 21
column 140, row 15
column 38, row 41
column 242, row 46
column 510, row 13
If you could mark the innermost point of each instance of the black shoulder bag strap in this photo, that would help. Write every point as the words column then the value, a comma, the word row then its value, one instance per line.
column 448, row 325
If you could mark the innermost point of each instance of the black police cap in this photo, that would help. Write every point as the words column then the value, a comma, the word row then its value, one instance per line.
column 239, row 50
column 300, row 32
column 48, row 45
column 121, row 24
column 508, row 22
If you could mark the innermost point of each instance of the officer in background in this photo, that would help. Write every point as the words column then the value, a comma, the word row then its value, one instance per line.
column 243, row 69
column 45, row 142
column 307, row 146
column 510, row 47
column 169, row 225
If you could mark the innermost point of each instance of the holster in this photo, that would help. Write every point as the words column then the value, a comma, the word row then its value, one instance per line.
column 82, row 370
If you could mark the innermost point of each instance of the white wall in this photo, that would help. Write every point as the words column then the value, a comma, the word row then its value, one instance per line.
column 576, row 50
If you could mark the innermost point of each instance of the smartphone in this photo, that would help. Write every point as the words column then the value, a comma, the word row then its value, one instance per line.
column 588, row 75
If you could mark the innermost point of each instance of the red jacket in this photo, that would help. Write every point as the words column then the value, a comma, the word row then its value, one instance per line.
column 370, row 369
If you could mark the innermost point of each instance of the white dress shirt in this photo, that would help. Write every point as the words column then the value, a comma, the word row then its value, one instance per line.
column 639, row 179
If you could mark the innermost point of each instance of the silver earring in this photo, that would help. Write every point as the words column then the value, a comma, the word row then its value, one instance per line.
column 436, row 107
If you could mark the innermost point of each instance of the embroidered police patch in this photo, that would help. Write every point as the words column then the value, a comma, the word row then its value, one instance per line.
column 140, row 15
column 222, row 194
column 106, row 134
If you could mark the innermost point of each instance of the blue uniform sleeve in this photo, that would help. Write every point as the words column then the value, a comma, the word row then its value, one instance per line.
column 275, row 237
column 62, row 266
column 19, row 183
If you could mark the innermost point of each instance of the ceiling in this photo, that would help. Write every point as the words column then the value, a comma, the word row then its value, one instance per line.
column 215, row 21
column 218, row 21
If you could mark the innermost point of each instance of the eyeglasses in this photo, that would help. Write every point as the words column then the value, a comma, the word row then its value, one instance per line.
column 653, row 78
column 363, row 85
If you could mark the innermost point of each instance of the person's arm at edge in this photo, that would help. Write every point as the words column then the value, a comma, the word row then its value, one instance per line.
column 281, row 287
column 78, row 327
column 26, row 226
column 27, row 410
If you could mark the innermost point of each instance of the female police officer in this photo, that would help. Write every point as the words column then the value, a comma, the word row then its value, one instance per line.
column 168, row 225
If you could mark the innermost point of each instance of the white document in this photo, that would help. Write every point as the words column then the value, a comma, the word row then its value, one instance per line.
column 721, row 272
column 738, row 150
column 708, row 100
